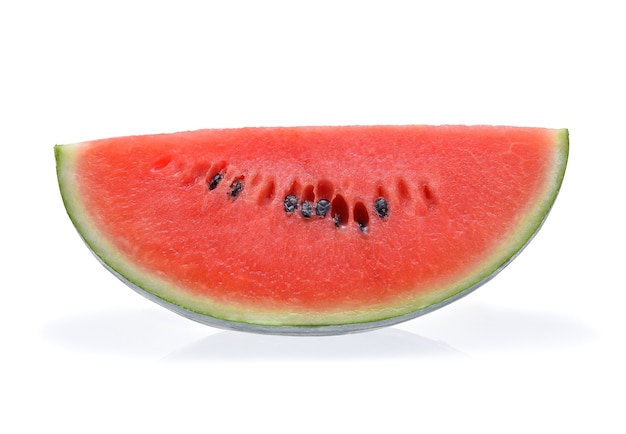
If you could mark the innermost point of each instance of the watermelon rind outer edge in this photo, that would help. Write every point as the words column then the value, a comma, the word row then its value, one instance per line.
column 293, row 330
column 533, row 228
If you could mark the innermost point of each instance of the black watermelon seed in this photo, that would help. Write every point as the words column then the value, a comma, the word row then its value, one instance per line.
column 235, row 188
column 306, row 209
column 215, row 181
column 322, row 207
column 382, row 209
column 290, row 203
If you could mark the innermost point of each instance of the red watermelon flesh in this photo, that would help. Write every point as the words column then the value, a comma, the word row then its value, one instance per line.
column 227, row 227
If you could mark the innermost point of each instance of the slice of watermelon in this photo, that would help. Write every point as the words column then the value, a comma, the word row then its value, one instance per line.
column 311, row 230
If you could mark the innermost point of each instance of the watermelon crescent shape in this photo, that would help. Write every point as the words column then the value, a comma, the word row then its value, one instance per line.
column 311, row 230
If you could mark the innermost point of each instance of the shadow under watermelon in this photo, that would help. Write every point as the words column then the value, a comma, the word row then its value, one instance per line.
column 158, row 334
column 379, row 344
column 469, row 329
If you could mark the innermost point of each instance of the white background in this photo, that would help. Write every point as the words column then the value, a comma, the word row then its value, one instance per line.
column 538, row 349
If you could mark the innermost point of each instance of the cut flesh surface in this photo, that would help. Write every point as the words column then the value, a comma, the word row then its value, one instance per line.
column 311, row 230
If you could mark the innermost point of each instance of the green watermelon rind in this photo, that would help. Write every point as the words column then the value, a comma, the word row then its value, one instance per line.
column 276, row 322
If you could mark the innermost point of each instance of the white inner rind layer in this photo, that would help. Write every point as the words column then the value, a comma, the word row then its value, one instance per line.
column 245, row 318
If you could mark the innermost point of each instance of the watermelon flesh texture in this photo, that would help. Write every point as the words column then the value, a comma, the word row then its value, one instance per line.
column 311, row 230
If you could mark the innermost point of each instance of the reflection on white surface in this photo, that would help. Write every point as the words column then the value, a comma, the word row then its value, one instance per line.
column 134, row 333
column 159, row 335
column 378, row 344
column 476, row 327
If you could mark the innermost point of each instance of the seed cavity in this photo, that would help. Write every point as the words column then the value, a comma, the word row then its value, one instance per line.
column 381, row 191
column 324, row 189
column 361, row 216
column 428, row 195
column 340, row 211
column 403, row 191
column 256, row 179
column 296, row 188
column 235, row 188
column 381, row 207
column 290, row 203
column 267, row 192
column 308, row 194
column 306, row 208
column 161, row 163
column 322, row 207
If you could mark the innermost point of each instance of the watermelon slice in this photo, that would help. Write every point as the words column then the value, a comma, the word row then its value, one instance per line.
column 311, row 230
